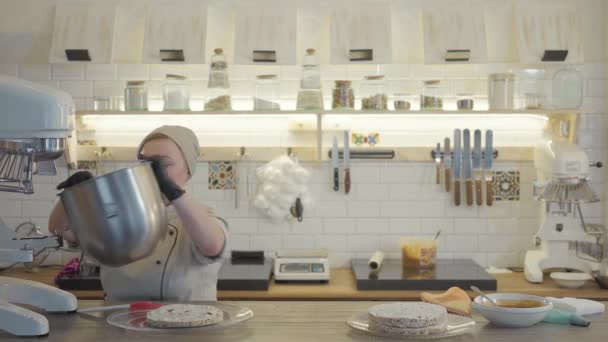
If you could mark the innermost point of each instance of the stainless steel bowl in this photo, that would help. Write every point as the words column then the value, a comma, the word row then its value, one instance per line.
column 118, row 218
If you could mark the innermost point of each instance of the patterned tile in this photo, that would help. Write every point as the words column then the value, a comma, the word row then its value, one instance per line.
column 506, row 185
column 221, row 175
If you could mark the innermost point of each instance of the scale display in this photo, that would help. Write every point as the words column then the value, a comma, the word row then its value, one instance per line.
column 302, row 268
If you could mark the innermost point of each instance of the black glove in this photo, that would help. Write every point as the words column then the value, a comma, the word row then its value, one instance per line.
column 74, row 179
column 167, row 186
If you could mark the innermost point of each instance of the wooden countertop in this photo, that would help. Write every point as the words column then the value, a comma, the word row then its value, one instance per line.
column 342, row 286
column 299, row 322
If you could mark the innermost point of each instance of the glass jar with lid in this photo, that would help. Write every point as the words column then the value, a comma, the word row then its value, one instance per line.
column 136, row 95
column 373, row 93
column 266, row 93
column 218, row 86
column 402, row 101
column 501, row 91
column 310, row 96
column 430, row 99
column 567, row 88
column 343, row 96
column 176, row 93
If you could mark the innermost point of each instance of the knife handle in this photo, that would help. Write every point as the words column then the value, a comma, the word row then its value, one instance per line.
column 478, row 192
column 336, row 180
column 457, row 192
column 448, row 179
column 489, row 193
column 437, row 173
column 346, row 181
column 469, row 186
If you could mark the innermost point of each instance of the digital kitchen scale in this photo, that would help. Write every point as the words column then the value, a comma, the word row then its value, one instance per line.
column 302, row 266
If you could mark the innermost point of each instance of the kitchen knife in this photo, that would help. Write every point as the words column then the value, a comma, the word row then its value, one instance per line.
column 456, row 163
column 438, row 164
column 477, row 172
column 334, row 162
column 447, row 163
column 466, row 160
column 487, row 166
column 346, row 162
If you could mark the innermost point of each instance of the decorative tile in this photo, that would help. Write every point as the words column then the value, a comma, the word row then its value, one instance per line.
column 221, row 175
column 506, row 185
column 370, row 139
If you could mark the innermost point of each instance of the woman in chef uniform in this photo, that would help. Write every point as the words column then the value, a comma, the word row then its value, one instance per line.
column 185, row 264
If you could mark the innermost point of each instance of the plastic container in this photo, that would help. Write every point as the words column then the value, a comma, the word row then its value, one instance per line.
column 567, row 88
column 266, row 93
column 430, row 98
column 373, row 93
column 176, row 93
column 136, row 96
column 343, row 96
column 418, row 253
column 501, row 91
column 218, row 86
column 310, row 96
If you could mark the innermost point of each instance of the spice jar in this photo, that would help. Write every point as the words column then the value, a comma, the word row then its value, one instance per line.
column 176, row 93
column 266, row 93
column 402, row 101
column 218, row 86
column 343, row 96
column 430, row 98
column 501, row 91
column 465, row 101
column 373, row 93
column 136, row 96
column 310, row 96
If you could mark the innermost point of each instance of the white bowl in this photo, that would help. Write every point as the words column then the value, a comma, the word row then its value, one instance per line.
column 512, row 317
column 571, row 280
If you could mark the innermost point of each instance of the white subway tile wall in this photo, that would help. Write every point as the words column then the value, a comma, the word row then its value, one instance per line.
column 389, row 199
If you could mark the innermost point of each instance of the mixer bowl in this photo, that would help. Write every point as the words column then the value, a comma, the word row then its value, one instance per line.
column 119, row 217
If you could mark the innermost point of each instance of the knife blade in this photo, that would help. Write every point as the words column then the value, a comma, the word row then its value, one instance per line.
column 438, row 164
column 457, row 162
column 447, row 163
column 346, row 162
column 487, row 166
column 477, row 172
column 334, row 162
column 468, row 173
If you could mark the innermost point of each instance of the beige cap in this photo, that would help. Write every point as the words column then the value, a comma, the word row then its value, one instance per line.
column 183, row 137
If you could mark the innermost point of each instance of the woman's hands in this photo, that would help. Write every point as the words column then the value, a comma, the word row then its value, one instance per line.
column 168, row 187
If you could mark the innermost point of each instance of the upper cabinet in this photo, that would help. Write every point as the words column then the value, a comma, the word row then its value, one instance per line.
column 548, row 25
column 265, row 34
column 83, row 32
column 175, row 33
column 454, row 30
column 361, row 33
column 501, row 35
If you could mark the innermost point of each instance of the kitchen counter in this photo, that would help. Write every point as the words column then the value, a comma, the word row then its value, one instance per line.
column 342, row 287
column 300, row 321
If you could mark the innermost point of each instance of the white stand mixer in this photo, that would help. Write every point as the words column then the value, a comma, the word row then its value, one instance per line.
column 36, row 120
column 563, row 170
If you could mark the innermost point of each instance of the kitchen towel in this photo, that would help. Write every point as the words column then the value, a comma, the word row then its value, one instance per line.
column 583, row 306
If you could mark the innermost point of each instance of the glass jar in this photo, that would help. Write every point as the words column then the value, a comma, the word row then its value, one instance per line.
column 373, row 93
column 430, row 98
column 402, row 101
column 310, row 96
column 176, row 93
column 136, row 96
column 501, row 91
column 530, row 88
column 101, row 103
column 533, row 101
column 465, row 101
column 218, row 86
column 343, row 96
column 567, row 88
column 266, row 93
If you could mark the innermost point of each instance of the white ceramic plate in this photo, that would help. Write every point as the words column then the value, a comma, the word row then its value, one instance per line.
column 457, row 325
column 136, row 320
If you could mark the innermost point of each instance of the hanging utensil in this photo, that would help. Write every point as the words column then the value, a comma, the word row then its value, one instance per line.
column 467, row 166
column 477, row 172
column 346, row 162
column 297, row 210
column 488, row 160
column 447, row 163
column 334, row 162
column 438, row 164
column 457, row 162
